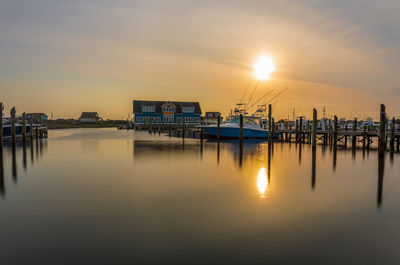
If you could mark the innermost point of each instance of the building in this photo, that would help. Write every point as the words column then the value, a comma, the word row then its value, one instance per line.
column 89, row 117
column 211, row 117
column 36, row 116
column 166, row 112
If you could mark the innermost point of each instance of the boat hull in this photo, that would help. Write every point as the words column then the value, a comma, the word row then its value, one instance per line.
column 18, row 130
column 234, row 132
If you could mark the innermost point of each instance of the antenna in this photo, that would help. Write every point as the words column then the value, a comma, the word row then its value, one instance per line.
column 324, row 111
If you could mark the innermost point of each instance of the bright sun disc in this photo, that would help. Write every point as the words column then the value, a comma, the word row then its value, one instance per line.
column 263, row 67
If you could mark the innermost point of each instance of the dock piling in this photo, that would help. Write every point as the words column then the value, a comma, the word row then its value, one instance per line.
column 218, row 125
column 241, row 128
column 382, row 133
column 13, row 133
column 314, row 128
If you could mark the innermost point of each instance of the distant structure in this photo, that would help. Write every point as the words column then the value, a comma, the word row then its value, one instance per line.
column 36, row 116
column 89, row 117
column 166, row 112
column 211, row 117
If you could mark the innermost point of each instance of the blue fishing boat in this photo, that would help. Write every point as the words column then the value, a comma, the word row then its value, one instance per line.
column 231, row 130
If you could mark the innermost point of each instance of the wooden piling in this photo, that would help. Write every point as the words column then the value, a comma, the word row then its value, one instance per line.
column 382, row 126
column 183, row 129
column 24, row 128
column 218, row 126
column 354, row 140
column 272, row 129
column 314, row 128
column 392, row 131
column 269, row 122
column 241, row 127
column 13, row 133
column 335, row 131
column 31, row 127
column 301, row 129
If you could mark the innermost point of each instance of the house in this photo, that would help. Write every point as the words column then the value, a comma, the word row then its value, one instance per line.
column 166, row 112
column 211, row 117
column 37, row 116
column 89, row 117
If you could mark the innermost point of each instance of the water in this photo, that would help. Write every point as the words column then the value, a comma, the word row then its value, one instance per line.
column 101, row 196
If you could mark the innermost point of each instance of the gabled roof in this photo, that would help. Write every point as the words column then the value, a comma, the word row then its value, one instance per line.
column 89, row 115
column 137, row 105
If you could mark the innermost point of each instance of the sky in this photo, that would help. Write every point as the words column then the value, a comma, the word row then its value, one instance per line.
column 65, row 57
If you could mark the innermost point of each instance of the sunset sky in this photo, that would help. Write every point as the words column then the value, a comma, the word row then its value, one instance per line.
column 71, row 56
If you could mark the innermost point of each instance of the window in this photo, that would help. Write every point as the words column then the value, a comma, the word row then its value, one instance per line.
column 139, row 118
column 188, row 109
column 168, row 118
column 148, row 108
column 169, row 109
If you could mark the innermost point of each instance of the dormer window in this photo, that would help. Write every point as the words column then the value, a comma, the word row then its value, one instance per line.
column 148, row 108
column 168, row 109
column 188, row 109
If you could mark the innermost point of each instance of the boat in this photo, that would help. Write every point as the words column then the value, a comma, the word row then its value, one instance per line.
column 18, row 130
column 231, row 130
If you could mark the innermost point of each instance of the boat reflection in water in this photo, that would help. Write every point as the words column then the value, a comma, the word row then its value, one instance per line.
column 262, row 182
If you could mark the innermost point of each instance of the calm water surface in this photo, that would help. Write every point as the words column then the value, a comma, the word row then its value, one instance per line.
column 102, row 196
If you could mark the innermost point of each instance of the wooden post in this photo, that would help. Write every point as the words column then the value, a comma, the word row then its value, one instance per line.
column 31, row 127
column 269, row 122
column 272, row 129
column 301, row 129
column 183, row 129
column 354, row 140
column 241, row 127
column 218, row 126
column 23, row 128
column 296, row 132
column 392, row 130
column 335, row 131
column 13, row 133
column 314, row 129
column 364, row 137
column 330, row 132
column 382, row 133
column 1, row 124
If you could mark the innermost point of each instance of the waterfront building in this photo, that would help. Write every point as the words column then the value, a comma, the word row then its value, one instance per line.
column 212, row 117
column 37, row 116
column 89, row 117
column 166, row 112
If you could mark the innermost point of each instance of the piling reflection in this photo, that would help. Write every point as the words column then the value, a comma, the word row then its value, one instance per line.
column 218, row 152
column 14, row 163
column 24, row 157
column 334, row 156
column 313, row 167
column 15, row 152
column 381, row 171
column 262, row 182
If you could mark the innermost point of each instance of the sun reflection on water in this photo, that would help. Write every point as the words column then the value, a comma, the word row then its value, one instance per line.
column 262, row 182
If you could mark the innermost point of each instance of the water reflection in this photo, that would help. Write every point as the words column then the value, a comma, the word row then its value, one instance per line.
column 9, row 157
column 313, row 167
column 262, row 182
column 381, row 171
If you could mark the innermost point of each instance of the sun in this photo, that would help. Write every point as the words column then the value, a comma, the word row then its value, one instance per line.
column 263, row 67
